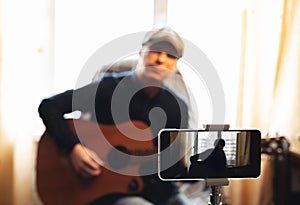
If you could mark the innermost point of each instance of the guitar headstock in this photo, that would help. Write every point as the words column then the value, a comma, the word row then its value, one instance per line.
column 275, row 145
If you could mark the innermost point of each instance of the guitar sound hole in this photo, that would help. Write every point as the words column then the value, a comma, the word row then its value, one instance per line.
column 118, row 158
column 133, row 185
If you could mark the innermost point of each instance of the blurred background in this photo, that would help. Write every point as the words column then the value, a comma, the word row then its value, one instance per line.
column 254, row 46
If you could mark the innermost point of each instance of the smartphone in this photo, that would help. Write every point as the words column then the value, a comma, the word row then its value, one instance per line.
column 188, row 154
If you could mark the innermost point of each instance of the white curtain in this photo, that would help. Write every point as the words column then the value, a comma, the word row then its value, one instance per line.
column 43, row 41
column 269, row 86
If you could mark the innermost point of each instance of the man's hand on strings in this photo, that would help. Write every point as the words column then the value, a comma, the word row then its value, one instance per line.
column 85, row 162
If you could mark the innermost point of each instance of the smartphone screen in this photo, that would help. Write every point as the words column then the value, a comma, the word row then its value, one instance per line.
column 200, row 154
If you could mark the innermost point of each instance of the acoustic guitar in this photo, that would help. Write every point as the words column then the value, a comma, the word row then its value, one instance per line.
column 57, row 182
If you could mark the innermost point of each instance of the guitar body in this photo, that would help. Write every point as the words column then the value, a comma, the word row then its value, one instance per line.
column 57, row 182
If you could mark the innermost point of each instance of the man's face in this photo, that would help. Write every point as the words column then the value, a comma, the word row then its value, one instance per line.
column 158, row 64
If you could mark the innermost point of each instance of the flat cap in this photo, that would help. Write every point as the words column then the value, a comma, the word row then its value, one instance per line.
column 164, row 39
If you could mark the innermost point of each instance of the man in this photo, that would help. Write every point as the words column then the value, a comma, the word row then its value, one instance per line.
column 148, row 100
column 217, row 160
column 210, row 163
